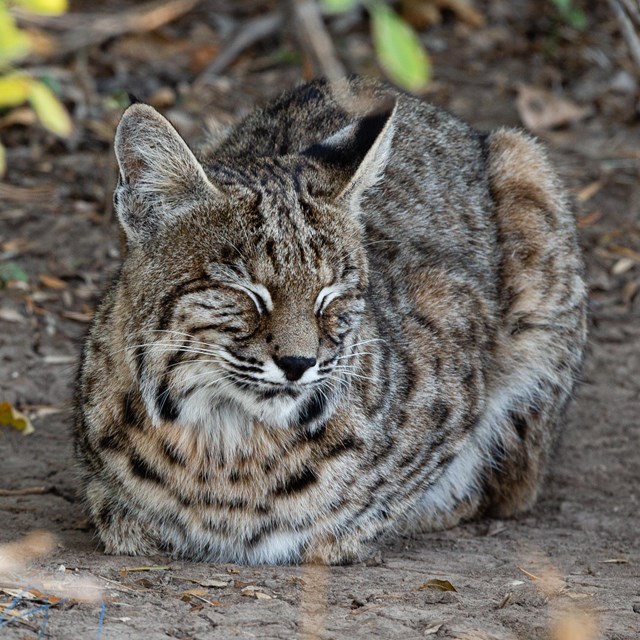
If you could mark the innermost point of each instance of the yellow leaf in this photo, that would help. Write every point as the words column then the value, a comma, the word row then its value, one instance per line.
column 14, row 89
column 439, row 585
column 11, row 417
column 49, row 109
column 14, row 43
column 49, row 7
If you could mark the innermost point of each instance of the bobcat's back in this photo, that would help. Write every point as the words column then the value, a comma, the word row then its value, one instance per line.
column 342, row 321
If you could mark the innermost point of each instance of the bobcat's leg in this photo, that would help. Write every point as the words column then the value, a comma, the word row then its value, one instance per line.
column 121, row 531
column 539, row 354
column 333, row 550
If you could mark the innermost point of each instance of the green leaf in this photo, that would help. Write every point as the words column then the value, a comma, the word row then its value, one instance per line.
column 573, row 16
column 47, row 7
column 399, row 49
column 338, row 6
column 49, row 109
column 11, row 271
column 577, row 19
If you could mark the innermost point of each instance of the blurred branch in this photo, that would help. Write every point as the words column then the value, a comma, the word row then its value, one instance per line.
column 247, row 35
column 94, row 28
column 310, row 32
column 313, row 38
column 626, row 22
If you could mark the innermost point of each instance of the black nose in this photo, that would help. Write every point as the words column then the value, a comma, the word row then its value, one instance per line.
column 294, row 366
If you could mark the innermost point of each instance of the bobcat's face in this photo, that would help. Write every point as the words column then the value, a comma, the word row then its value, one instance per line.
column 251, row 307
column 247, row 282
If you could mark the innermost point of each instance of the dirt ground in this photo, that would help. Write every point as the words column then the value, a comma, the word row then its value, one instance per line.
column 568, row 570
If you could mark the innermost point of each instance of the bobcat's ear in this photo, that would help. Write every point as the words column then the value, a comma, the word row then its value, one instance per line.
column 159, row 175
column 356, row 156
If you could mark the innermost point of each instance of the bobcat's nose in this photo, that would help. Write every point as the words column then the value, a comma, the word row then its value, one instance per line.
column 294, row 366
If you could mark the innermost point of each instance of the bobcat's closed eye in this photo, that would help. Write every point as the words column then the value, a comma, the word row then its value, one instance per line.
column 356, row 314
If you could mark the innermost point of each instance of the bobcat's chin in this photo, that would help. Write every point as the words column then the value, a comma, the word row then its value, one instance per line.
column 241, row 406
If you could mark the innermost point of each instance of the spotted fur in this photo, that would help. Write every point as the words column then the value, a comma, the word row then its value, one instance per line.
column 354, row 316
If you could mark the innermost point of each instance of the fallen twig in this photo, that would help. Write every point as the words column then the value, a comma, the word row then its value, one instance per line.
column 27, row 491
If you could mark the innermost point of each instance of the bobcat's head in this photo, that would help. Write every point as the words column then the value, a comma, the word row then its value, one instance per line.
column 245, row 277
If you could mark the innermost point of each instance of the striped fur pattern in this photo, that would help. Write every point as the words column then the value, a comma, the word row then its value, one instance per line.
column 355, row 316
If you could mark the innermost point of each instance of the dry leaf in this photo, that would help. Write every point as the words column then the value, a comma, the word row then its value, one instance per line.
column 254, row 592
column 77, row 316
column 215, row 584
column 589, row 219
column 14, row 555
column 540, row 109
column 11, row 417
column 439, row 585
column 586, row 193
column 52, row 282
column 622, row 266
column 11, row 315
column 194, row 592
column 433, row 629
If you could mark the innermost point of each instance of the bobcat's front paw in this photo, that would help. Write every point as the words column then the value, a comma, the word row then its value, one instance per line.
column 128, row 537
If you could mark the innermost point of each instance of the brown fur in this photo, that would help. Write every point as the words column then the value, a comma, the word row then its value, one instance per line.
column 425, row 277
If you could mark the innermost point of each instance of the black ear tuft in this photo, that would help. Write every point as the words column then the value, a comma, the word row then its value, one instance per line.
column 133, row 99
column 347, row 149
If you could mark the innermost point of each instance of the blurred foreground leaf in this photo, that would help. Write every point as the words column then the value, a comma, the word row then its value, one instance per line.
column 573, row 16
column 14, row 43
column 14, row 89
column 11, row 271
column 3, row 160
column 399, row 49
column 11, row 417
column 338, row 6
column 47, row 7
column 49, row 109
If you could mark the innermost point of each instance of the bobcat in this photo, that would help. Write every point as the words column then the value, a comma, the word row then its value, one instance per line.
column 354, row 316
